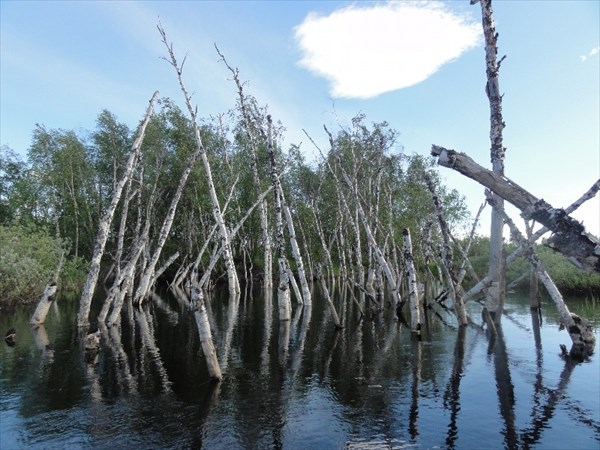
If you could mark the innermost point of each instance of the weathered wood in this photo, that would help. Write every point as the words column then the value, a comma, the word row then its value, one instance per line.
column 41, row 311
column 208, row 348
column 233, row 281
column 569, row 238
column 334, row 314
column 580, row 330
column 264, row 224
column 105, row 223
column 454, row 289
column 413, row 294
column 589, row 194
column 495, row 294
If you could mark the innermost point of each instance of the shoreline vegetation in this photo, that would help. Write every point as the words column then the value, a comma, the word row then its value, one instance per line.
column 30, row 254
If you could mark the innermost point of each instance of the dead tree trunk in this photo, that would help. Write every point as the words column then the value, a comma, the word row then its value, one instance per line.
column 496, row 290
column 454, row 289
column 283, row 290
column 264, row 225
column 569, row 238
column 334, row 314
column 104, row 226
column 234, row 285
column 589, row 194
column 413, row 290
column 208, row 348
column 39, row 316
column 580, row 330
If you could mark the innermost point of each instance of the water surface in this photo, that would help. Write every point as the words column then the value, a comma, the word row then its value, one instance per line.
column 297, row 384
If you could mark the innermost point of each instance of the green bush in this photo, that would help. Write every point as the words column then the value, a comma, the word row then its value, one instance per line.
column 28, row 259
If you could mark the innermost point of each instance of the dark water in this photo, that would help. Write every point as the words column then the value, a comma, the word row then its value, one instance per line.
column 298, row 384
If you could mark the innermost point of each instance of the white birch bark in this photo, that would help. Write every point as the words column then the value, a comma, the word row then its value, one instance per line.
column 569, row 238
column 580, row 330
column 496, row 292
column 306, row 295
column 378, row 253
column 283, row 290
column 208, row 348
column 41, row 311
column 454, row 290
column 234, row 285
column 334, row 314
column 264, row 225
column 413, row 287
column 105, row 223
column 148, row 276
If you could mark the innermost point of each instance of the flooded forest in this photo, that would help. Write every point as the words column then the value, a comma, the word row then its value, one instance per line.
column 199, row 284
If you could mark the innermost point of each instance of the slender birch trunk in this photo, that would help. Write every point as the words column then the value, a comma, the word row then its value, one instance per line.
column 454, row 289
column 413, row 287
column 234, row 285
column 208, row 348
column 264, row 224
column 105, row 223
column 306, row 295
column 378, row 253
column 283, row 290
column 334, row 314
column 148, row 276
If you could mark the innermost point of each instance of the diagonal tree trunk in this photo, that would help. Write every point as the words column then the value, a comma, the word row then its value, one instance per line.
column 569, row 238
column 234, row 285
column 105, row 223
column 264, row 225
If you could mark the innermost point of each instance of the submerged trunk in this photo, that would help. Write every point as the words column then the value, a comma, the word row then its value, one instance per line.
column 413, row 291
column 497, row 268
column 39, row 316
column 107, row 218
column 208, row 348
column 580, row 330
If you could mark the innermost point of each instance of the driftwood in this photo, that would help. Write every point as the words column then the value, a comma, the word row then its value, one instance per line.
column 569, row 238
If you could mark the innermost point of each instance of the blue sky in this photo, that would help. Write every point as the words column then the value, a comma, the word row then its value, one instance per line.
column 419, row 66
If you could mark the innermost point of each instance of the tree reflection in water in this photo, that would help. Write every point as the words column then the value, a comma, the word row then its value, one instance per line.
column 297, row 383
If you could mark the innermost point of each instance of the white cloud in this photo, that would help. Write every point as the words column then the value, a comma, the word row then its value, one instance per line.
column 592, row 52
column 365, row 51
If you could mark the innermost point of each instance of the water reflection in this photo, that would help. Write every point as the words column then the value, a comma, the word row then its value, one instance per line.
column 295, row 384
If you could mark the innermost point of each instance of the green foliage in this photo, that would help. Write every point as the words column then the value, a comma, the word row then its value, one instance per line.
column 28, row 259
column 568, row 278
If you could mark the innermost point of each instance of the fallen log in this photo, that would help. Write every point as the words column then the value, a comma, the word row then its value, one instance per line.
column 569, row 236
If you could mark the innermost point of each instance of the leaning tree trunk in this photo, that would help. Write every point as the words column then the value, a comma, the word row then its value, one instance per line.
column 496, row 291
column 107, row 218
column 264, row 224
column 569, row 238
column 149, row 273
column 589, row 194
column 208, row 348
column 234, row 284
column 454, row 289
column 580, row 330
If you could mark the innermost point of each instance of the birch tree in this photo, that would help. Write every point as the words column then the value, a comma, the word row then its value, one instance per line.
column 234, row 286
column 107, row 218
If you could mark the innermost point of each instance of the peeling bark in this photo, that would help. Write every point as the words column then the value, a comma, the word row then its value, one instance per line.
column 580, row 330
column 105, row 223
column 569, row 238
column 413, row 292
